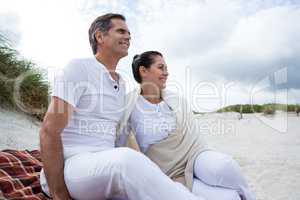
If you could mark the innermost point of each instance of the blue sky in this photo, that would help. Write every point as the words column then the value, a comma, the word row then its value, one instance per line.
column 218, row 51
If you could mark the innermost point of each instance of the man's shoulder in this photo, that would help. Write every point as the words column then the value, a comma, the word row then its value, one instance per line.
column 79, row 64
column 76, row 69
column 81, row 61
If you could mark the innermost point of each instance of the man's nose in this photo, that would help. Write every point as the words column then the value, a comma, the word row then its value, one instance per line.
column 166, row 73
column 128, row 36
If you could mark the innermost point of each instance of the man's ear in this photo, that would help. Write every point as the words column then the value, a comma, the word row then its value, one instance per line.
column 99, row 37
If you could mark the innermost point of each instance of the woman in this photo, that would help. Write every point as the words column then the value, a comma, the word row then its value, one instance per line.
column 165, row 131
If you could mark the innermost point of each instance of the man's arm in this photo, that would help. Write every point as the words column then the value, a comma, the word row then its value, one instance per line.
column 55, row 120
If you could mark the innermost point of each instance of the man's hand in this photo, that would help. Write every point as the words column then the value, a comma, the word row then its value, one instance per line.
column 62, row 194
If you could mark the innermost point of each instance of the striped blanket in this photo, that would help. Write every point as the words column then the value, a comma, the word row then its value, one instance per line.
column 19, row 175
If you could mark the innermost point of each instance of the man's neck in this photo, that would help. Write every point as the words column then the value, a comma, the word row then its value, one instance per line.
column 110, row 62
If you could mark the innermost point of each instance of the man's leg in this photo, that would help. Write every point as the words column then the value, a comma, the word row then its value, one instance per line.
column 120, row 172
column 218, row 169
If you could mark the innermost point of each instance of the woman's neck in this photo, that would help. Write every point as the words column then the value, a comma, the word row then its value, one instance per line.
column 151, row 93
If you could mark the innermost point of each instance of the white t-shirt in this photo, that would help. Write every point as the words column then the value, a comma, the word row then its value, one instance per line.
column 151, row 122
column 98, row 101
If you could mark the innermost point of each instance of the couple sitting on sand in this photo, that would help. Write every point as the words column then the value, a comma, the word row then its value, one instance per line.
column 91, row 118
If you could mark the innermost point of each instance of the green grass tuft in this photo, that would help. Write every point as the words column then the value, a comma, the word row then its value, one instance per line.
column 23, row 86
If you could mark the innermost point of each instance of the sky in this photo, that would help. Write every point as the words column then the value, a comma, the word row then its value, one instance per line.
column 219, row 52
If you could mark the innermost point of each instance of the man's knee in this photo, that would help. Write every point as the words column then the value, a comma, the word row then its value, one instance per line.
column 128, row 159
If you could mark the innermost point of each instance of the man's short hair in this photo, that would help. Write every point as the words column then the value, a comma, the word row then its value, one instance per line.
column 103, row 24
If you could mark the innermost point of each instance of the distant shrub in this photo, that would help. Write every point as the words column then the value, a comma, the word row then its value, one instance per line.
column 257, row 108
column 246, row 108
column 266, row 108
column 269, row 110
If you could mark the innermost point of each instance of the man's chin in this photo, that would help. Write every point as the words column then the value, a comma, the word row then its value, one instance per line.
column 123, row 54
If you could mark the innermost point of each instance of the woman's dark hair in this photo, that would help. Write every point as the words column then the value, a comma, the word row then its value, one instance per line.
column 145, row 59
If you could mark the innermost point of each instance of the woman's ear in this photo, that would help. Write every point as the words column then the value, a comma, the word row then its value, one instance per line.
column 142, row 71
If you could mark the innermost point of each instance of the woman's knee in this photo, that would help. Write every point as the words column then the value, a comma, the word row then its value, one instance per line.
column 227, row 165
column 214, row 192
column 233, row 195
column 213, row 167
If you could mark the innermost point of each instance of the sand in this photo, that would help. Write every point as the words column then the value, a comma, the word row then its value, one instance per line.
column 18, row 131
column 270, row 159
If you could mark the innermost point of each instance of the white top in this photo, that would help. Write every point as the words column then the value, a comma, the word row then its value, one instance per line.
column 151, row 122
column 98, row 101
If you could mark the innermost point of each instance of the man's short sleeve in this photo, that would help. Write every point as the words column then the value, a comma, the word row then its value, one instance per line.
column 70, row 84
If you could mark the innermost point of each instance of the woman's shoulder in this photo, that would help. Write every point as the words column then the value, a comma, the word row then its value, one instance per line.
column 172, row 96
column 176, row 100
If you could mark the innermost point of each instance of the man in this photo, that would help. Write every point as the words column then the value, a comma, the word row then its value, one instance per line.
column 78, row 133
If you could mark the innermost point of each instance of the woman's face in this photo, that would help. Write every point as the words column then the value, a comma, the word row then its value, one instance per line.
column 157, row 74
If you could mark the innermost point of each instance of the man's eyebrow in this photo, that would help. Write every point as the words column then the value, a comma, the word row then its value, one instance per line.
column 124, row 30
column 163, row 65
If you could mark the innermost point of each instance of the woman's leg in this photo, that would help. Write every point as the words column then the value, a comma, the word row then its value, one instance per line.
column 212, row 192
column 218, row 169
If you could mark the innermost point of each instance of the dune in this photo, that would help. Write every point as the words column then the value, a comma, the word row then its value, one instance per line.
column 18, row 131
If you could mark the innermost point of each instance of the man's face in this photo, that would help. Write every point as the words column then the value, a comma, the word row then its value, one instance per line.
column 117, row 39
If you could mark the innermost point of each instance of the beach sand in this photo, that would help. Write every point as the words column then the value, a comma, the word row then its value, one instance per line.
column 18, row 131
column 269, row 159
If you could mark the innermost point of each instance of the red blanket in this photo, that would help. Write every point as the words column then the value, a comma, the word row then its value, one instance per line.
column 19, row 175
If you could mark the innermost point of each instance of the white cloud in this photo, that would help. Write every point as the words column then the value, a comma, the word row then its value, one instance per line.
column 52, row 31
column 9, row 27
column 184, row 28
column 260, row 45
